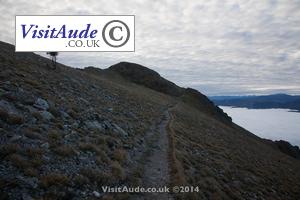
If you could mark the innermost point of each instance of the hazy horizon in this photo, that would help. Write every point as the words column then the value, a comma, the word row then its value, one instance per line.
column 216, row 47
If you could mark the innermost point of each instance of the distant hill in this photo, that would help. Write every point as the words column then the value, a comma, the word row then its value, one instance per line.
column 260, row 102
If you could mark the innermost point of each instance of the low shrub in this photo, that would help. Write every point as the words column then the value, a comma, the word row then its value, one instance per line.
column 55, row 179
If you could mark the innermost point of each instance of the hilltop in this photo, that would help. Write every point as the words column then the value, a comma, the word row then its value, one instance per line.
column 67, row 132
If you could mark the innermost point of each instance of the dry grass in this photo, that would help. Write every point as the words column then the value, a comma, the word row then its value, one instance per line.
column 117, row 170
column 64, row 150
column 54, row 179
column 54, row 138
column 37, row 115
column 111, row 142
column 102, row 158
column 59, row 125
column 73, row 113
column 31, row 172
column 177, row 171
column 32, row 82
column 101, row 140
column 34, row 152
column 15, row 119
column 120, row 155
column 54, row 135
column 32, row 134
column 211, row 156
column 32, row 159
column 95, row 175
column 7, row 149
column 90, row 147
column 37, row 162
column 80, row 180
column 55, row 112
column 19, row 161
column 3, row 114
column 11, row 118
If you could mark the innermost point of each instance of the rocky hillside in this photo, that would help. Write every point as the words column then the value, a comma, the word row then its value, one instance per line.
column 151, row 79
column 67, row 132
column 147, row 77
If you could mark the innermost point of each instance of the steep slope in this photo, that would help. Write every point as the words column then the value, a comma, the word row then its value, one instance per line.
column 67, row 132
column 151, row 79
column 227, row 162
column 203, row 104
column 147, row 77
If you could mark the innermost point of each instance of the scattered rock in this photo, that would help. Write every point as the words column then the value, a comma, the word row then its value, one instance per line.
column 26, row 98
column 8, row 107
column 94, row 125
column 15, row 119
column 46, row 116
column 15, row 138
column 41, row 104
column 127, row 146
column 30, row 109
column 26, row 197
column 120, row 131
column 45, row 145
column 29, row 182
column 96, row 194
column 64, row 115
column 107, row 125
column 46, row 158
column 131, row 115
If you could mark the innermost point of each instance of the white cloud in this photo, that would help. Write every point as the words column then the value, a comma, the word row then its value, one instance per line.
column 218, row 47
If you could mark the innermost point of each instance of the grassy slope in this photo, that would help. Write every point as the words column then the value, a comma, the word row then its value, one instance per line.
column 225, row 161
column 82, row 95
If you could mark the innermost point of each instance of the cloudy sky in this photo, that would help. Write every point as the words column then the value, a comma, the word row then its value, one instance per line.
column 220, row 47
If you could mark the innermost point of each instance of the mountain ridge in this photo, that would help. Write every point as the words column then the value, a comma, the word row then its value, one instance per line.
column 142, row 75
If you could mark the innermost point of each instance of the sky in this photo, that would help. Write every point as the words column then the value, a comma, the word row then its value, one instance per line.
column 219, row 47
